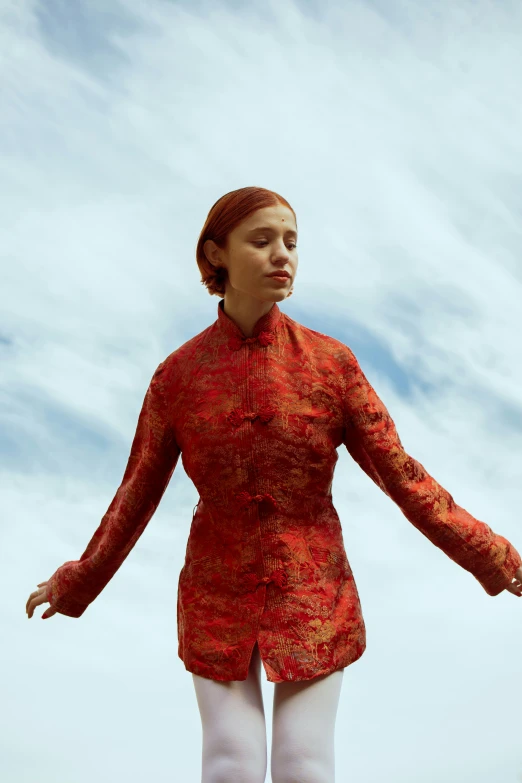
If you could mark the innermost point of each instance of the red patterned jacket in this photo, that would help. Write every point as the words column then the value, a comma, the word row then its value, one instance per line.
column 258, row 422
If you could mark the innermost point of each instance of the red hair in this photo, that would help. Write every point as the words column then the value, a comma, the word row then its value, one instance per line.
column 227, row 213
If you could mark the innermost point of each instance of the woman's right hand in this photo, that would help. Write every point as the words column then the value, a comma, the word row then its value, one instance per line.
column 37, row 598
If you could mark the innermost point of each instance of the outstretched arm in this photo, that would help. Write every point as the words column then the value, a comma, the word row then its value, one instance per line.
column 372, row 440
column 151, row 463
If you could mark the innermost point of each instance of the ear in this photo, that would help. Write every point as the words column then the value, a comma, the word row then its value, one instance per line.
column 211, row 251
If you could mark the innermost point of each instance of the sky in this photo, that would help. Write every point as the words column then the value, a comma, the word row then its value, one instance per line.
column 394, row 131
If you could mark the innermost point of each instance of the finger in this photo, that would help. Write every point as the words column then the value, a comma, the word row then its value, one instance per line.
column 33, row 594
column 35, row 601
column 30, row 600
column 32, row 606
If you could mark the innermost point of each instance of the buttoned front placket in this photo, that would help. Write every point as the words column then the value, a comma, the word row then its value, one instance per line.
column 252, row 581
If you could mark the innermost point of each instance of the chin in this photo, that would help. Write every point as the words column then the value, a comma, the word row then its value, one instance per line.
column 276, row 296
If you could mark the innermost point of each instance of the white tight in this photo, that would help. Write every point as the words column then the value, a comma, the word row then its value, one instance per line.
column 234, row 730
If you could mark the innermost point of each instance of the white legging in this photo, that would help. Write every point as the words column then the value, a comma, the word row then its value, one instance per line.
column 234, row 730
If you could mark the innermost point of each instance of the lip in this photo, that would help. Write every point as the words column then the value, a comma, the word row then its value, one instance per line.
column 279, row 274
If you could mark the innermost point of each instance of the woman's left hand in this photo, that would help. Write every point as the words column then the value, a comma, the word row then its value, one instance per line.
column 516, row 585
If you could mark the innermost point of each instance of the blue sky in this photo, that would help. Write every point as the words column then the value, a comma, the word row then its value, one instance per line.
column 393, row 129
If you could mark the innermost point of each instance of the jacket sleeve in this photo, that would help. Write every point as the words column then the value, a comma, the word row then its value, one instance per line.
column 153, row 457
column 372, row 440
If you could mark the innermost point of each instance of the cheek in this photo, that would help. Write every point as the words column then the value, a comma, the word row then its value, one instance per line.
column 248, row 267
column 254, row 261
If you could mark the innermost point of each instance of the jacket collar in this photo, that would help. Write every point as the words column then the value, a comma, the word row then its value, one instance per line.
column 264, row 329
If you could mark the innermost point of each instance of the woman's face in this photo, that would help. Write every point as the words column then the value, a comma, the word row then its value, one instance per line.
column 263, row 243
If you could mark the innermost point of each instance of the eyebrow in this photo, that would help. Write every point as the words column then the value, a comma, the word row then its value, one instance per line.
column 271, row 230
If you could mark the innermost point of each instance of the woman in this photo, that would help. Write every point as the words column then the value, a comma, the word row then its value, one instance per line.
column 258, row 405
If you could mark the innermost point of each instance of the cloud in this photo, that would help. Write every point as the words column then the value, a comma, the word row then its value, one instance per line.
column 393, row 130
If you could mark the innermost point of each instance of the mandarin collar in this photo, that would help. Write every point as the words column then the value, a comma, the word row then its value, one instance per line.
column 264, row 327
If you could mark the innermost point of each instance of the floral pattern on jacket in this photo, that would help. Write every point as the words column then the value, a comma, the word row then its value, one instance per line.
column 257, row 422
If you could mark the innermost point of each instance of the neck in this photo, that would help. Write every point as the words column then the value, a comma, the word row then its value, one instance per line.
column 245, row 311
